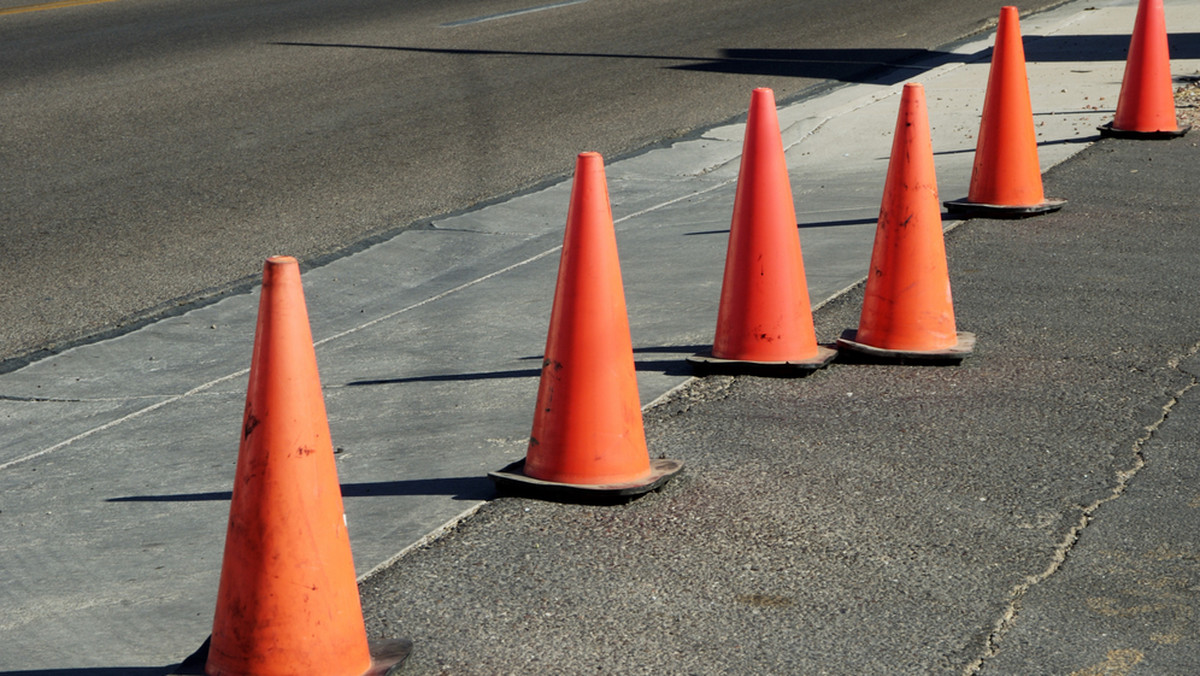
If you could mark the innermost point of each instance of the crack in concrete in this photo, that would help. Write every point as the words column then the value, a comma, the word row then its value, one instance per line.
column 91, row 400
column 434, row 227
column 30, row 400
column 1009, row 617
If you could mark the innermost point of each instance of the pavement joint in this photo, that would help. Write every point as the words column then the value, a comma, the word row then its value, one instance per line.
column 431, row 536
column 123, row 419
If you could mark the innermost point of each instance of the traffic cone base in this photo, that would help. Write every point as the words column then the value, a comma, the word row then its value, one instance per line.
column 953, row 354
column 387, row 656
column 1107, row 129
column 512, row 480
column 966, row 207
column 704, row 363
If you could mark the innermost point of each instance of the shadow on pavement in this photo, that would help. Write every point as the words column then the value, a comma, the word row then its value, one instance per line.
column 1057, row 142
column 669, row 367
column 881, row 65
column 459, row 488
column 449, row 377
column 94, row 671
column 817, row 224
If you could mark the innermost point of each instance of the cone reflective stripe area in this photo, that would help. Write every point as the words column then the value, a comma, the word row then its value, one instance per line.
column 1146, row 107
column 287, row 602
column 764, row 321
column 587, row 441
column 1006, row 180
column 908, row 313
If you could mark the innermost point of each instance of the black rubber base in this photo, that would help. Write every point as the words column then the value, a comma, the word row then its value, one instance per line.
column 512, row 480
column 1108, row 130
column 387, row 656
column 980, row 209
column 952, row 355
column 705, row 364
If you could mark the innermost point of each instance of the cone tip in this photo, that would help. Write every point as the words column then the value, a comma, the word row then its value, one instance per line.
column 763, row 92
column 279, row 268
column 590, row 161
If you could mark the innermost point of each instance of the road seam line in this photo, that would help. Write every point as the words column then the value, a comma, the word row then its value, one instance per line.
column 505, row 15
column 62, row 4
column 123, row 419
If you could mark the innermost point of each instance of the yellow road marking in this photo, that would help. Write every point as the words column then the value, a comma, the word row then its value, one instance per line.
column 50, row 5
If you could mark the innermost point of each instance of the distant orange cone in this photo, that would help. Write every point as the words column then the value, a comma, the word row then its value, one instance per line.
column 587, row 441
column 1146, row 108
column 907, row 311
column 764, row 321
column 1006, row 181
column 288, row 600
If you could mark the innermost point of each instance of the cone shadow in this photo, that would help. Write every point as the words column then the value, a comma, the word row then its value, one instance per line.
column 886, row 66
column 843, row 65
column 459, row 488
column 1090, row 138
column 667, row 366
column 802, row 226
column 449, row 377
column 93, row 671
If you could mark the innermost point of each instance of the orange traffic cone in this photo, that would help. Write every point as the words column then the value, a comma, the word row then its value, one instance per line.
column 764, row 321
column 1006, row 181
column 288, row 600
column 907, row 311
column 587, row 442
column 1146, row 108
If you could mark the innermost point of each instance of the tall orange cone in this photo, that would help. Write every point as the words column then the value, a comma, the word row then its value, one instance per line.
column 764, row 321
column 907, row 312
column 1006, row 181
column 288, row 600
column 587, row 441
column 1146, row 108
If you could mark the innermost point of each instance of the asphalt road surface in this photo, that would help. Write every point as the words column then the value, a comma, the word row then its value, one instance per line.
column 153, row 153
